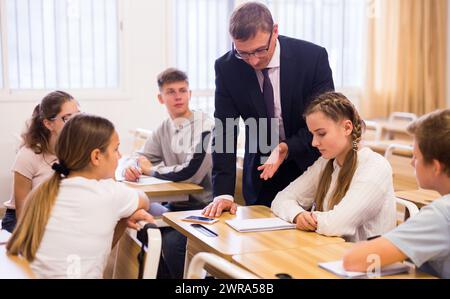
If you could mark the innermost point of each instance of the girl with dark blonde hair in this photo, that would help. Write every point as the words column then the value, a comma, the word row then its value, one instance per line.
column 348, row 192
column 67, row 226
column 33, row 162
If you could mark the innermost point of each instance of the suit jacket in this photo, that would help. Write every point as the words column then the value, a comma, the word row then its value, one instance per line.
column 304, row 73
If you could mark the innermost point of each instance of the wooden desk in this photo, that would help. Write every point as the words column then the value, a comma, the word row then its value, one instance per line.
column 168, row 191
column 165, row 192
column 13, row 267
column 230, row 242
column 302, row 263
column 420, row 197
column 394, row 128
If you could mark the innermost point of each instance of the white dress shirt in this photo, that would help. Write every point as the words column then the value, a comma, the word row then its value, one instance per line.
column 368, row 208
column 274, row 75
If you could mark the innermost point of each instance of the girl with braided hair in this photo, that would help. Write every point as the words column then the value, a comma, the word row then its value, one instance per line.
column 348, row 192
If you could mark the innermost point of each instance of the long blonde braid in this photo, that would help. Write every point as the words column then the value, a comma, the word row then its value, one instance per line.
column 337, row 107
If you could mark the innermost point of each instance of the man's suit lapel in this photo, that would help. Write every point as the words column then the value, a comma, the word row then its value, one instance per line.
column 287, row 81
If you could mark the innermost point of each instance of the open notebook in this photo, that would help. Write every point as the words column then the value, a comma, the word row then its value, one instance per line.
column 337, row 268
column 259, row 224
column 148, row 180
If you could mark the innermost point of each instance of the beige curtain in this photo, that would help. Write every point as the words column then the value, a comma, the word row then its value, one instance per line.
column 406, row 62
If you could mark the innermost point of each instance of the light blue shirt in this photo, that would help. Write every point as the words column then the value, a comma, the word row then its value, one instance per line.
column 425, row 238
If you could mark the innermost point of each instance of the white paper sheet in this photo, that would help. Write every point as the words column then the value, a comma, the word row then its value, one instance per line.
column 259, row 224
column 337, row 268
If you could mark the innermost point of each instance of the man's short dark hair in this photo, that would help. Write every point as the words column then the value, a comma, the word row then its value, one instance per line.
column 248, row 19
column 171, row 75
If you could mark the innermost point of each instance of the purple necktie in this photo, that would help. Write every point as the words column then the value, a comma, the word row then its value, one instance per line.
column 268, row 94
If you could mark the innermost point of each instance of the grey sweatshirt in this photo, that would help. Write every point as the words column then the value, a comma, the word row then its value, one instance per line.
column 180, row 151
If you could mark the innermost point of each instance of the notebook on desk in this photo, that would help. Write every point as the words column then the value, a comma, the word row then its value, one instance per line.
column 259, row 224
column 337, row 268
column 145, row 180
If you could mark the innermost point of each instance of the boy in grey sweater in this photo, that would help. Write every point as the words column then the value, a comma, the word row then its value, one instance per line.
column 179, row 151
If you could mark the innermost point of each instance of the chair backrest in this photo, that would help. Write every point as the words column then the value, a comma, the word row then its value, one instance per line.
column 399, row 156
column 126, row 265
column 402, row 116
column 200, row 260
column 405, row 209
column 140, row 136
column 373, row 131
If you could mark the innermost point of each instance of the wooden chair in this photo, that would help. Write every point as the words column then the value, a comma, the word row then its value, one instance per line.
column 196, row 268
column 124, row 256
column 373, row 131
column 374, row 139
column 402, row 116
column 397, row 124
column 403, row 172
column 405, row 210
column 140, row 136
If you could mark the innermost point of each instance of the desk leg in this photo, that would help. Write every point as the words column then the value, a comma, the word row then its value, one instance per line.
column 187, row 260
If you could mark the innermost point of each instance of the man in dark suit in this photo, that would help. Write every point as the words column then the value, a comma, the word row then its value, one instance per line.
column 266, row 79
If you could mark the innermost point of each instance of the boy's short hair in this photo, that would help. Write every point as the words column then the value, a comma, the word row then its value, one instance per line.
column 171, row 75
column 432, row 135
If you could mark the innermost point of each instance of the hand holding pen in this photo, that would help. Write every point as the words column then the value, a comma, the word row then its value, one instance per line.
column 143, row 166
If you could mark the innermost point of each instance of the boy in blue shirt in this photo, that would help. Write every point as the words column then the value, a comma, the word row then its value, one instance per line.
column 424, row 238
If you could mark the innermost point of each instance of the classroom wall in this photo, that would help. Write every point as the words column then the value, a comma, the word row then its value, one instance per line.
column 136, row 106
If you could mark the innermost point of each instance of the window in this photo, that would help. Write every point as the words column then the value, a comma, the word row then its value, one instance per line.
column 337, row 25
column 1, row 59
column 63, row 44
column 201, row 36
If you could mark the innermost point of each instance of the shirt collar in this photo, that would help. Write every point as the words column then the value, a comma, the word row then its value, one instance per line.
column 361, row 151
column 275, row 61
column 336, row 165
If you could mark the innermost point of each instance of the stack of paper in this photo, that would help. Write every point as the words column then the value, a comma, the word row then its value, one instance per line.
column 259, row 224
column 337, row 268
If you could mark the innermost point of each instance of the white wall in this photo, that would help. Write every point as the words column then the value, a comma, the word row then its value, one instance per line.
column 145, row 56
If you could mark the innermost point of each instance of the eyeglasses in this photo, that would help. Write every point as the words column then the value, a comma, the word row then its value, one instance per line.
column 65, row 118
column 260, row 53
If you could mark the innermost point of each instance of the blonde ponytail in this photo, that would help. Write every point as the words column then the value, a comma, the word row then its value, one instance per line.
column 30, row 229
column 80, row 136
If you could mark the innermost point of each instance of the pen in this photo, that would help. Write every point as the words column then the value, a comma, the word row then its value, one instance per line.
column 204, row 230
column 139, row 169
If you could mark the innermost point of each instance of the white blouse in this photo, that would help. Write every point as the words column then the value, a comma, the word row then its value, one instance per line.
column 368, row 208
